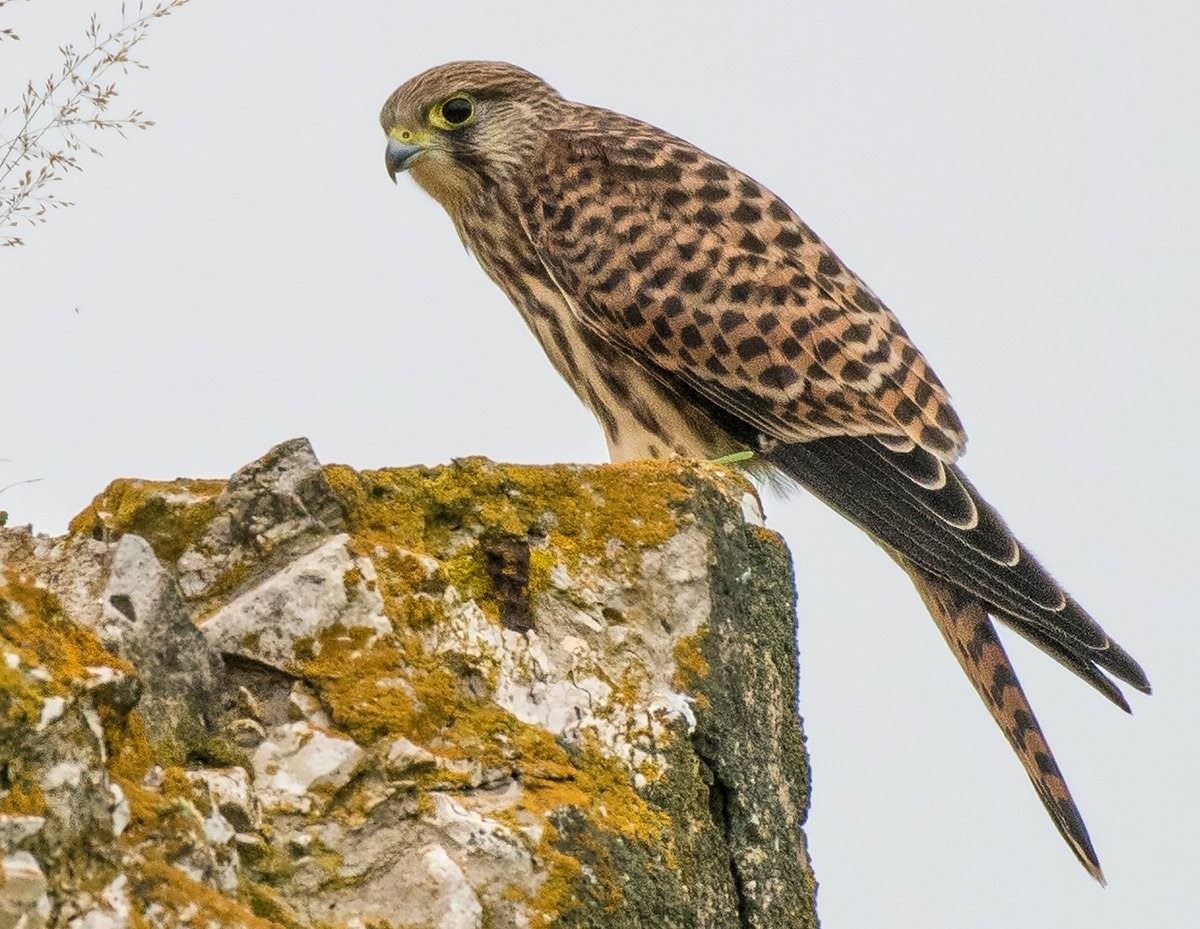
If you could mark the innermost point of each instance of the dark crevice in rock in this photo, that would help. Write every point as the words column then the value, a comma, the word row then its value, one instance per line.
column 270, row 687
column 720, row 804
column 506, row 559
column 122, row 604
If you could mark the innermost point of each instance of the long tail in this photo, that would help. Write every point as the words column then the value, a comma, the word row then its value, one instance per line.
column 967, row 566
column 971, row 636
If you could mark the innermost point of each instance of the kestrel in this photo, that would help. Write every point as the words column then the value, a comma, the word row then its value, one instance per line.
column 696, row 315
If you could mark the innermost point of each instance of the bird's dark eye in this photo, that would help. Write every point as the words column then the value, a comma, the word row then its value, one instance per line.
column 457, row 110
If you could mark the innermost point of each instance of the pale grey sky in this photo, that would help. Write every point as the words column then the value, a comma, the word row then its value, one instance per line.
column 1019, row 182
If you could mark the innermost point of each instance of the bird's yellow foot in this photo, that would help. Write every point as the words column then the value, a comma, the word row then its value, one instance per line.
column 735, row 458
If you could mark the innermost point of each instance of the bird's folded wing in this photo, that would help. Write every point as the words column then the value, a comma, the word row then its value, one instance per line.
column 697, row 270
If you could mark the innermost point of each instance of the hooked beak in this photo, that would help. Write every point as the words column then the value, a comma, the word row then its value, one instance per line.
column 399, row 156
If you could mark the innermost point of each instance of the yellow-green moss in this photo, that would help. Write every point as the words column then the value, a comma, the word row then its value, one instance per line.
column 215, row 751
column 228, row 582
column 143, row 807
column 435, row 710
column 351, row 578
column 35, row 628
column 21, row 699
column 24, row 797
column 601, row 788
column 127, row 745
column 269, row 904
column 627, row 691
column 763, row 534
column 351, row 678
column 569, row 514
column 266, row 862
column 580, row 510
column 691, row 667
column 177, row 785
column 170, row 515
column 158, row 882
column 556, row 894
column 390, row 686
column 163, row 812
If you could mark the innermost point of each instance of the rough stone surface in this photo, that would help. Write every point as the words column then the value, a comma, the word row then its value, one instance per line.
column 268, row 508
column 298, row 603
column 470, row 697
column 144, row 621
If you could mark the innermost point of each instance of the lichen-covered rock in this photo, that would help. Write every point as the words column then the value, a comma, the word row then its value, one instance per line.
column 470, row 697
column 118, row 588
column 298, row 603
column 273, row 506
column 144, row 620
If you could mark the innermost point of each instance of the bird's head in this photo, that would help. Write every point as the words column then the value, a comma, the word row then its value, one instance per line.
column 460, row 125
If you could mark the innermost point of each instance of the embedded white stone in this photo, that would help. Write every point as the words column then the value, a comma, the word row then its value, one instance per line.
column 114, row 911
column 404, row 758
column 23, row 882
column 65, row 773
column 752, row 510
column 303, row 703
column 217, row 829
column 575, row 675
column 299, row 602
column 295, row 758
column 457, row 903
column 476, row 832
column 52, row 709
column 121, row 813
column 232, row 794
column 138, row 579
column 100, row 675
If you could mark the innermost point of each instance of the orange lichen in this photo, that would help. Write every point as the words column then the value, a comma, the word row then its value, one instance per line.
column 170, row 515
column 579, row 509
column 34, row 627
column 379, row 687
column 391, row 688
column 23, row 798
column 557, row 892
column 161, row 883
column 691, row 667
column 351, row 578
column 763, row 534
column 130, row 754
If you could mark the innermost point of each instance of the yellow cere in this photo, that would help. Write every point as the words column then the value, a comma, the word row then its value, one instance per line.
column 408, row 137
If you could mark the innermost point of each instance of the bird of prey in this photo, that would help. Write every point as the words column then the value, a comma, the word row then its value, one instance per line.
column 695, row 314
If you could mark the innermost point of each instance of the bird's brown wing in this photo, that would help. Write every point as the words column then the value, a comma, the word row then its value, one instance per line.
column 682, row 259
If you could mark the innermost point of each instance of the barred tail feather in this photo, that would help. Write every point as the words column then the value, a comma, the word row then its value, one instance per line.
column 967, row 629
